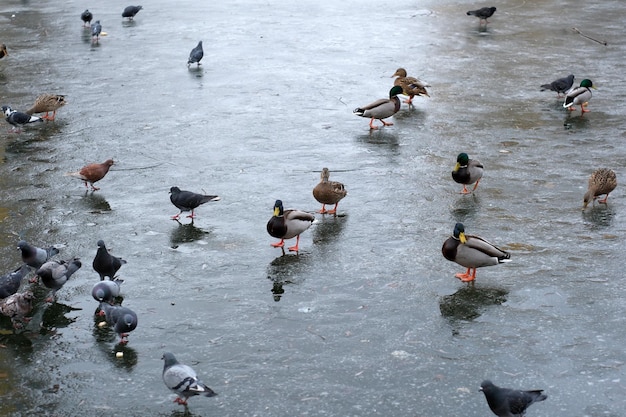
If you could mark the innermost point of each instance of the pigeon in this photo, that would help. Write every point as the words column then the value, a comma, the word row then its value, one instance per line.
column 106, row 290
column 106, row 264
column 196, row 55
column 286, row 224
column 131, row 11
column 86, row 17
column 18, row 119
column 34, row 256
column 505, row 402
column 96, row 29
column 188, row 201
column 92, row 173
column 17, row 306
column 54, row 274
column 122, row 320
column 47, row 103
column 10, row 283
column 483, row 13
column 3, row 51
column 182, row 380
column 561, row 86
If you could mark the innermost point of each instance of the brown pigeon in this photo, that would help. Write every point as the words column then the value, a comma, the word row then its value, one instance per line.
column 92, row 173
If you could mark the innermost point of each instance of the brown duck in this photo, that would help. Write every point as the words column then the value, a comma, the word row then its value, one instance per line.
column 328, row 192
column 47, row 103
column 602, row 181
column 3, row 51
column 92, row 173
column 411, row 86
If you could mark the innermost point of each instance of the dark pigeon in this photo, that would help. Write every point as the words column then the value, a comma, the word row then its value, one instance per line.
column 561, row 86
column 96, row 29
column 86, row 17
column 34, row 256
column 106, row 290
column 505, row 402
column 188, row 201
column 10, row 283
column 182, row 380
column 196, row 55
column 122, row 320
column 105, row 264
column 483, row 13
column 54, row 274
column 18, row 119
column 17, row 306
column 131, row 11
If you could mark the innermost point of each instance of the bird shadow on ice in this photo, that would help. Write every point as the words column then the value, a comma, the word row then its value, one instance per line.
column 186, row 233
column 329, row 228
column 95, row 202
column 598, row 216
column 285, row 270
column 574, row 120
column 54, row 317
column 469, row 302
column 465, row 208
column 195, row 71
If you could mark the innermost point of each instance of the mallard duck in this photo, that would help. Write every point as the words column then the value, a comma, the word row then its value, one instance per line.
column 3, row 51
column 562, row 85
column 471, row 252
column 382, row 108
column 92, row 173
column 86, row 17
column 467, row 171
column 602, row 181
column 328, row 192
column 483, row 14
column 47, row 103
column 410, row 86
column 286, row 224
column 580, row 95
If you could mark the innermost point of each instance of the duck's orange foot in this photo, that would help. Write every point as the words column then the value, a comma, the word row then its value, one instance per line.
column 465, row 277
column 387, row 123
column 293, row 248
column 180, row 401
column 278, row 244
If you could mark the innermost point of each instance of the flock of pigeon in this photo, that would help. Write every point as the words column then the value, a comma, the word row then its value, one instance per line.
column 469, row 251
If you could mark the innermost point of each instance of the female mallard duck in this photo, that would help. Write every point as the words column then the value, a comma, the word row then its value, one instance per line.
column 471, row 252
column 562, row 85
column 602, row 181
column 286, row 224
column 328, row 192
column 3, row 51
column 47, row 103
column 381, row 109
column 580, row 95
column 410, row 86
column 467, row 171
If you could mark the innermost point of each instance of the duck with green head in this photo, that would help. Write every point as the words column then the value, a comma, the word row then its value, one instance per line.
column 467, row 171
column 580, row 95
column 287, row 224
column 382, row 108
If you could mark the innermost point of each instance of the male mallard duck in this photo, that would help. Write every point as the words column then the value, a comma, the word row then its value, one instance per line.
column 47, row 103
column 580, row 95
column 562, row 85
column 328, row 192
column 286, row 224
column 86, row 17
column 483, row 14
column 471, row 252
column 602, row 181
column 382, row 108
column 467, row 171
column 3, row 51
column 411, row 86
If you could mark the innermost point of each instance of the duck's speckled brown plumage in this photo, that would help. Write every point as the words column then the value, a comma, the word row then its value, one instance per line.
column 47, row 103
column 3, row 51
column 328, row 192
column 411, row 86
column 602, row 181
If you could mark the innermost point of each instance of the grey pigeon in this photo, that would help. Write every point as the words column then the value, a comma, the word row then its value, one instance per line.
column 188, row 201
column 18, row 119
column 196, row 55
column 106, row 290
column 96, row 29
column 34, row 256
column 122, row 320
column 131, row 11
column 17, row 306
column 182, row 379
column 86, row 17
column 483, row 13
column 106, row 264
column 54, row 274
column 10, row 283
column 561, row 86
column 505, row 402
